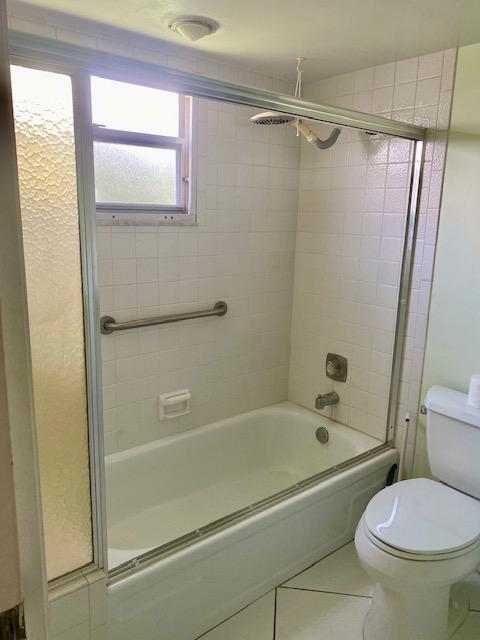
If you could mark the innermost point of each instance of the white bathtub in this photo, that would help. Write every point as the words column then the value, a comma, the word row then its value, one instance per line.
column 174, row 486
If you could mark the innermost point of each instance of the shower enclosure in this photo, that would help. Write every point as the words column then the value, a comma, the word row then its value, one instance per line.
column 221, row 262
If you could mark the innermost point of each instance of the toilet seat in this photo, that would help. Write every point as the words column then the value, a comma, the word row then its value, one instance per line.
column 422, row 519
column 398, row 553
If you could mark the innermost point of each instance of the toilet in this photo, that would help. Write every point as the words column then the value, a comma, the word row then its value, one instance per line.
column 418, row 537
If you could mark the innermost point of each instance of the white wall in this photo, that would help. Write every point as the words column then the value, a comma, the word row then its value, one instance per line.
column 453, row 344
column 349, row 243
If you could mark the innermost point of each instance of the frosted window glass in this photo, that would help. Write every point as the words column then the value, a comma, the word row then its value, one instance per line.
column 129, row 174
column 131, row 107
column 48, row 196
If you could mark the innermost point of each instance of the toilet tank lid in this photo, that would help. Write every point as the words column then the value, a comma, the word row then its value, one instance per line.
column 452, row 404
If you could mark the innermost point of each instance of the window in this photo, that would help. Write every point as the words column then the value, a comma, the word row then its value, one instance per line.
column 142, row 144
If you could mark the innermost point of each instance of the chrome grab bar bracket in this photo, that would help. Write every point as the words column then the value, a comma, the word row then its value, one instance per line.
column 105, row 322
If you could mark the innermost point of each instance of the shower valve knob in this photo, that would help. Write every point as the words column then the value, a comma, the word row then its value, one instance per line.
column 336, row 367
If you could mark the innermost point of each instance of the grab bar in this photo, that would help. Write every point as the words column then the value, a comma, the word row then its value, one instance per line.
column 108, row 324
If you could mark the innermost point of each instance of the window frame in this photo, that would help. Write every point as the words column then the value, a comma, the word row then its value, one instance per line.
column 137, row 213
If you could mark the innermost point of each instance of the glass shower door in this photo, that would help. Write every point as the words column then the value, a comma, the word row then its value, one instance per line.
column 44, row 131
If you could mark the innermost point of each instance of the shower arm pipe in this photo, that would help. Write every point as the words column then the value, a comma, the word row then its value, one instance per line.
column 108, row 324
column 312, row 137
column 26, row 48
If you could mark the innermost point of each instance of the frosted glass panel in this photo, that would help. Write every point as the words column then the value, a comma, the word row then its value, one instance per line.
column 130, row 107
column 48, row 194
column 128, row 174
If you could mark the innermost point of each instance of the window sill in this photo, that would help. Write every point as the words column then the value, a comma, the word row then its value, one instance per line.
column 141, row 218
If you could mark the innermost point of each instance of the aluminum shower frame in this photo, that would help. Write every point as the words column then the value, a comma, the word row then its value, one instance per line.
column 79, row 63
column 66, row 56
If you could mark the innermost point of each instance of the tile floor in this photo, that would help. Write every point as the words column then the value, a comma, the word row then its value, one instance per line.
column 328, row 601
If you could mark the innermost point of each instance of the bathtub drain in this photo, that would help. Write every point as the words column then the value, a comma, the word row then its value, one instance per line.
column 322, row 435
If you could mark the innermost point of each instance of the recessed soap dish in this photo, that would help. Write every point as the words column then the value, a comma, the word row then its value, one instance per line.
column 173, row 404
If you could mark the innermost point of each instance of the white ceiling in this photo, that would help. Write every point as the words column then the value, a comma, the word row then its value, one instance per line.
column 335, row 35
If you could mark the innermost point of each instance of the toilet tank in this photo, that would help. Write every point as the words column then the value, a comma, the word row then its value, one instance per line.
column 453, row 439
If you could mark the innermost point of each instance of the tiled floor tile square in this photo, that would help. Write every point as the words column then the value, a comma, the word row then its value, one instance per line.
column 253, row 623
column 470, row 630
column 339, row 572
column 473, row 588
column 328, row 601
column 308, row 615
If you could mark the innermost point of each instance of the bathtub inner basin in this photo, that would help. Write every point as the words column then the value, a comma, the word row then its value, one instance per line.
column 171, row 487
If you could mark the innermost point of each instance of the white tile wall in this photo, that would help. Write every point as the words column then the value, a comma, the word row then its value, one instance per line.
column 351, row 215
column 241, row 251
column 137, row 272
column 347, row 269
column 77, row 609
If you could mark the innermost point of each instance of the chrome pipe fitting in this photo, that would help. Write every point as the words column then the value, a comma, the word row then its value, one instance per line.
column 325, row 400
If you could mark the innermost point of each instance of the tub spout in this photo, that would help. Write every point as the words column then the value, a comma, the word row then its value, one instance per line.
column 322, row 401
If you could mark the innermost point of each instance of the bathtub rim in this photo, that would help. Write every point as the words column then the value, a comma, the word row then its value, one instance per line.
column 168, row 549
column 284, row 406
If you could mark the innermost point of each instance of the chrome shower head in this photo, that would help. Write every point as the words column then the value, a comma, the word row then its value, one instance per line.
column 272, row 117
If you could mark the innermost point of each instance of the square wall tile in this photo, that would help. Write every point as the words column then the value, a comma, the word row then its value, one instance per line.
column 428, row 92
column 406, row 71
column 431, row 65
column 384, row 75
column 404, row 95
column 69, row 611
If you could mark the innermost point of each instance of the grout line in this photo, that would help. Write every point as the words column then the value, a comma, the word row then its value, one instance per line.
column 282, row 586
column 236, row 612
column 316, row 562
column 334, row 593
column 275, row 614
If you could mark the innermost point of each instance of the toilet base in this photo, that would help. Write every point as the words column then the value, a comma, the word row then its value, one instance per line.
column 458, row 608
column 414, row 599
column 417, row 615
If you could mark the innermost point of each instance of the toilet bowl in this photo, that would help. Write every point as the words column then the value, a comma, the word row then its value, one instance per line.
column 419, row 537
column 415, row 539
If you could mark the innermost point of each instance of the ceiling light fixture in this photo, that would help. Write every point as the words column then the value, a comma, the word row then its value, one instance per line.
column 194, row 27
